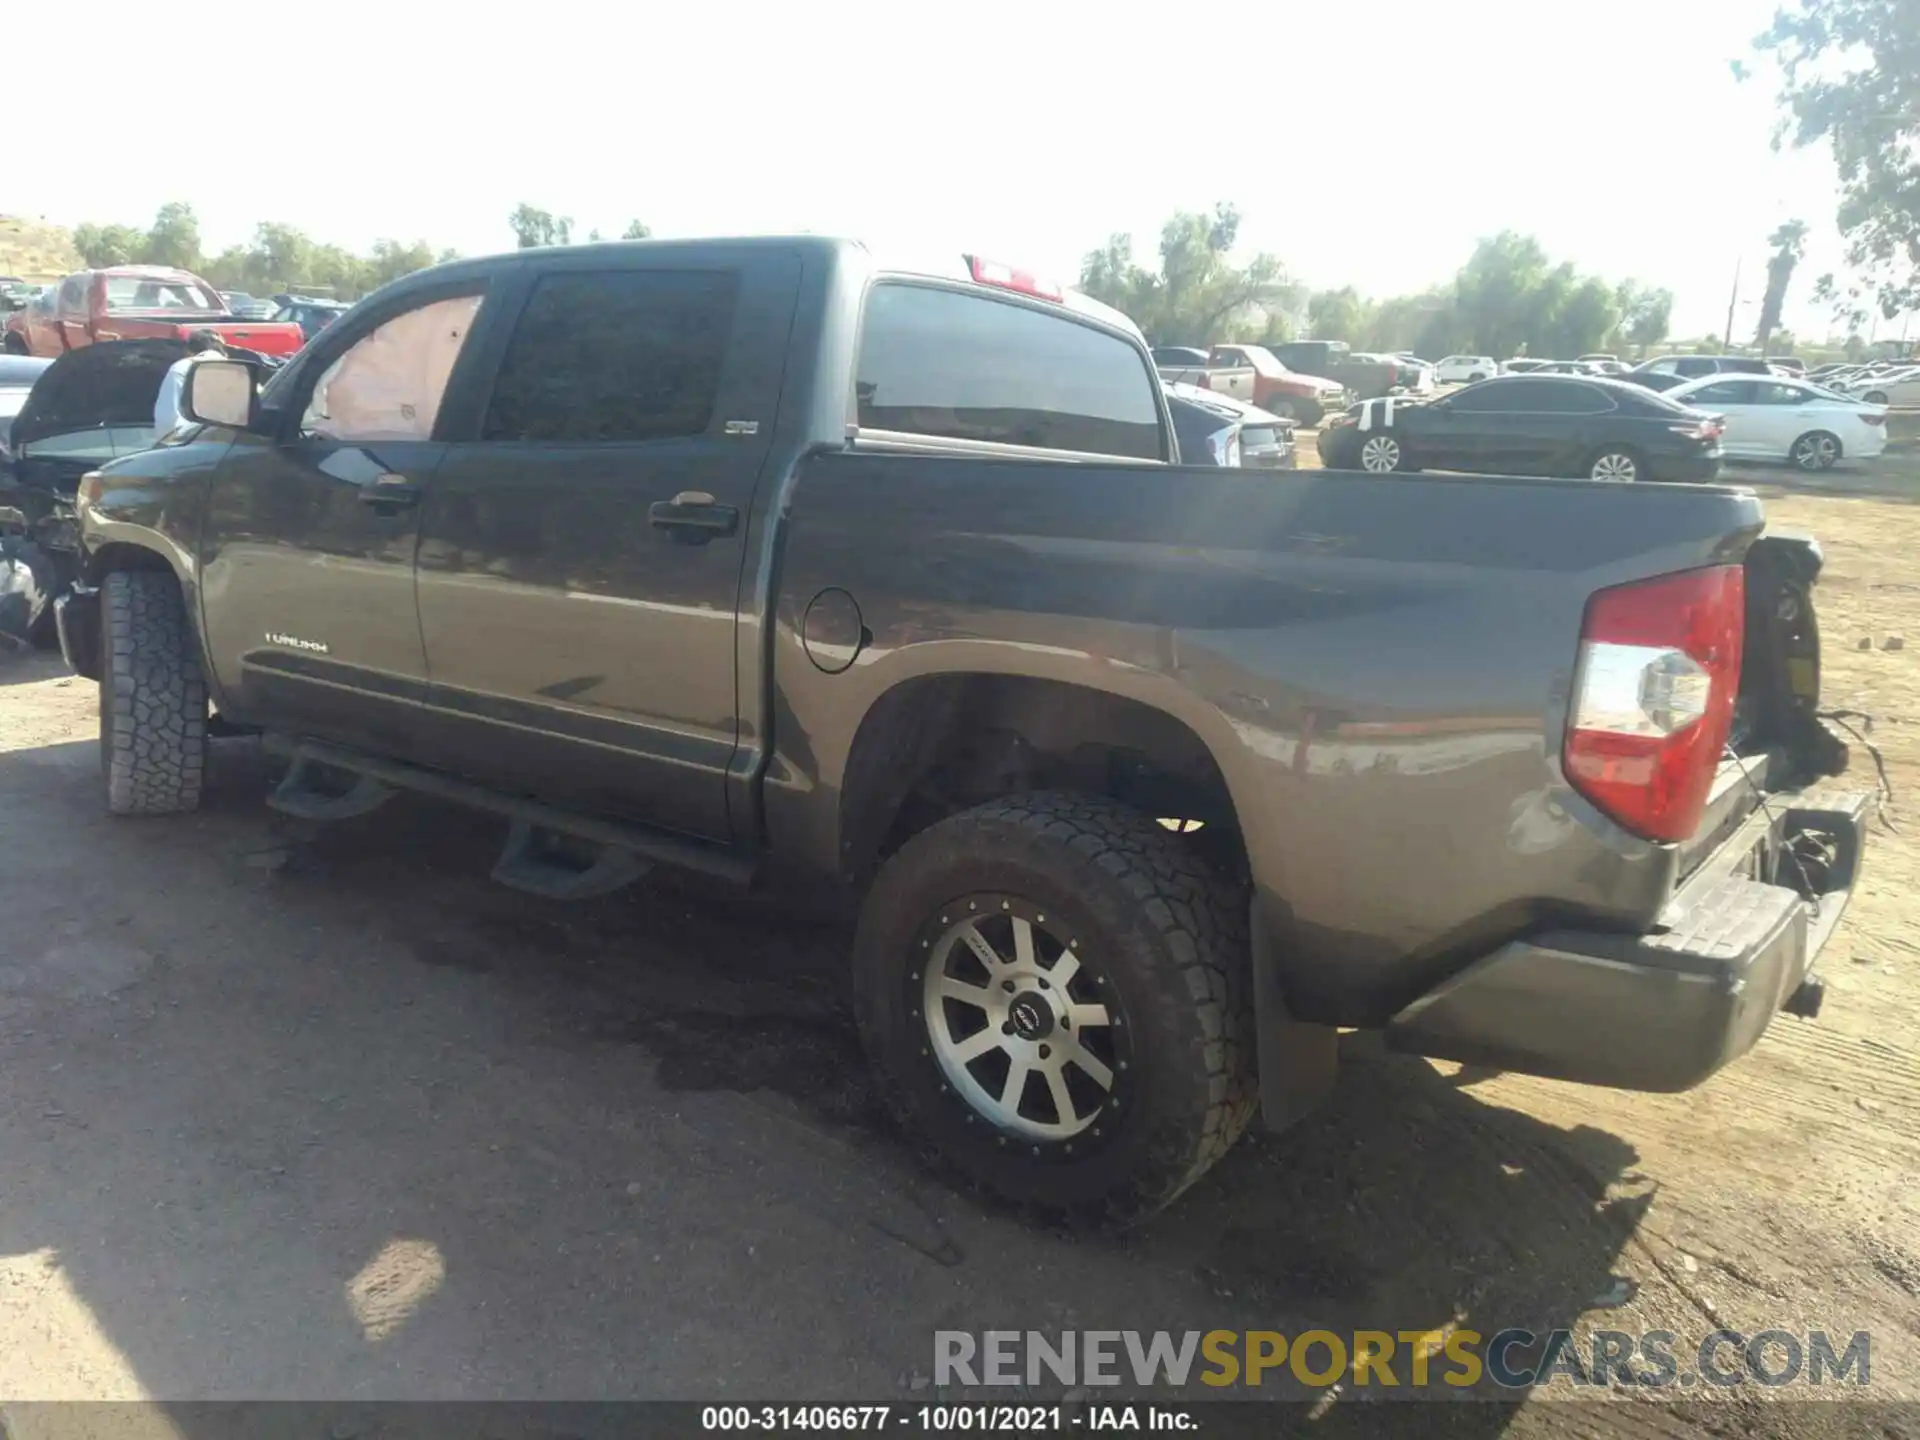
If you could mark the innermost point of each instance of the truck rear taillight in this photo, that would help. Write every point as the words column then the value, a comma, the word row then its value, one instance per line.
column 1005, row 277
column 1653, row 697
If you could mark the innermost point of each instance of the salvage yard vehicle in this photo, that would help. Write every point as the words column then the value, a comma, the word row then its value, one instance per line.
column 1692, row 367
column 1334, row 360
column 1887, row 387
column 1540, row 424
column 1201, row 419
column 1250, row 373
column 79, row 412
column 1465, row 369
column 137, row 302
column 1138, row 778
column 1777, row 419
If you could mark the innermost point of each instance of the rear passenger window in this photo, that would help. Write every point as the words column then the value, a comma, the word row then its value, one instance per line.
column 965, row 367
column 616, row 355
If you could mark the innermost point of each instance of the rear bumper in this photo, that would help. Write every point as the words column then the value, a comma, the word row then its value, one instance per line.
column 1660, row 1011
column 76, row 615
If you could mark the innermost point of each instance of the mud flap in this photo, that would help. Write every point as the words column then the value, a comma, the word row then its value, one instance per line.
column 1297, row 1060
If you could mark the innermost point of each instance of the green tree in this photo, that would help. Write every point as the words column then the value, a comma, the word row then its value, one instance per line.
column 1850, row 75
column 281, row 256
column 1645, row 315
column 636, row 231
column 104, row 245
column 390, row 260
column 533, row 227
column 1337, row 314
column 1198, row 295
column 1586, row 317
column 1503, row 295
column 1789, row 243
column 1421, row 323
column 174, row 238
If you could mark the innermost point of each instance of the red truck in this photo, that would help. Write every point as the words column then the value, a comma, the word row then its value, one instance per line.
column 137, row 302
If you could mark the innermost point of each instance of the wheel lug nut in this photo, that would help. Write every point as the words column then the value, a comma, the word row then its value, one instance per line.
column 1007, row 985
column 1046, row 1052
column 1006, row 1027
column 1043, row 983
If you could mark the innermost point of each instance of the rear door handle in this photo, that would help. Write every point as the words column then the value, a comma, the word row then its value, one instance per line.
column 390, row 490
column 695, row 515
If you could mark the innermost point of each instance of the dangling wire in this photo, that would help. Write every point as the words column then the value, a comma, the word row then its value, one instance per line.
column 1843, row 719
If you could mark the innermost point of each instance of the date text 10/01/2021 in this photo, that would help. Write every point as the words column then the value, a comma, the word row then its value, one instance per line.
column 940, row 1419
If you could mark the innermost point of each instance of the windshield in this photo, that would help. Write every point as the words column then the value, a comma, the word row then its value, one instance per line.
column 130, row 292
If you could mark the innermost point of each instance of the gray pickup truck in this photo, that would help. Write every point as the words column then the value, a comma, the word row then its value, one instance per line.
column 1140, row 779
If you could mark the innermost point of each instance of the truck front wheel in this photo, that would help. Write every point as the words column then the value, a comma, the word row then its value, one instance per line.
column 153, row 698
column 1052, row 988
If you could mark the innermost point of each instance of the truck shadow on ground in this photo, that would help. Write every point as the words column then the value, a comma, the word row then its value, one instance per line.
column 547, row 1098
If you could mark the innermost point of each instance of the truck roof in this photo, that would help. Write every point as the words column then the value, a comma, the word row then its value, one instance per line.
column 952, row 266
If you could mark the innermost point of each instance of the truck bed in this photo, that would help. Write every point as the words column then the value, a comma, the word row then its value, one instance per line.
column 1379, row 664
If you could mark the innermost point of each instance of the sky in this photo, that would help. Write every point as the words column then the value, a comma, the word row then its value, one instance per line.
column 1364, row 143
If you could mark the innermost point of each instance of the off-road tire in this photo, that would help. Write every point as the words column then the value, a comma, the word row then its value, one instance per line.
column 153, row 697
column 1172, row 936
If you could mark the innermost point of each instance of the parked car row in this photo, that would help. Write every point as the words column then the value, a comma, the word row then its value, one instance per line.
column 1253, row 374
column 1881, row 384
column 1603, row 428
column 137, row 302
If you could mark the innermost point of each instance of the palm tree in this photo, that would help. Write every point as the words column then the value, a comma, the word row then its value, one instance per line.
column 1789, row 243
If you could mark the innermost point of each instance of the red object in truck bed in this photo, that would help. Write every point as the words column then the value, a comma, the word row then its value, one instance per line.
column 138, row 302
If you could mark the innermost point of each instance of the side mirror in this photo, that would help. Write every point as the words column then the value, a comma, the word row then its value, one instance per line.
column 219, row 392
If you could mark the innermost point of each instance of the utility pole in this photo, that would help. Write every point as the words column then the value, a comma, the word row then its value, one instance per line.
column 1727, row 343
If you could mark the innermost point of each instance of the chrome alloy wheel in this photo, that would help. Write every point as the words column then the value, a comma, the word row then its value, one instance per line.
column 1816, row 452
column 1615, row 466
column 1021, row 1023
column 1380, row 455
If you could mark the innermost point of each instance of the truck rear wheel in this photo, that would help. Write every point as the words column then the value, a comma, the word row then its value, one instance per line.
column 1053, row 991
column 153, row 698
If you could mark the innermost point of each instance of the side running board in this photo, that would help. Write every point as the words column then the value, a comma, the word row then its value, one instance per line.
column 549, row 852
column 304, row 793
column 532, row 861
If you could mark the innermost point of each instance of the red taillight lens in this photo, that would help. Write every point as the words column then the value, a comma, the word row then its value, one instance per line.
column 1653, row 697
column 1700, row 430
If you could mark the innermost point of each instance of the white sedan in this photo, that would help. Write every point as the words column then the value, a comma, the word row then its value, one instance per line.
column 1778, row 419
column 1890, row 387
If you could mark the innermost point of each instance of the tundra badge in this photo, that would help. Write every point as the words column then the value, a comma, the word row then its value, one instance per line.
column 295, row 642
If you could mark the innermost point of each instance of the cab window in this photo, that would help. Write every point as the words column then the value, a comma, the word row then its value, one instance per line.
column 960, row 366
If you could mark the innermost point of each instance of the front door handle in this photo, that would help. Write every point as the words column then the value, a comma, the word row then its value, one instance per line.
column 695, row 515
column 390, row 491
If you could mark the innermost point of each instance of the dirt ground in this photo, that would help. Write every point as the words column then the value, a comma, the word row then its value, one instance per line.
column 364, row 1126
